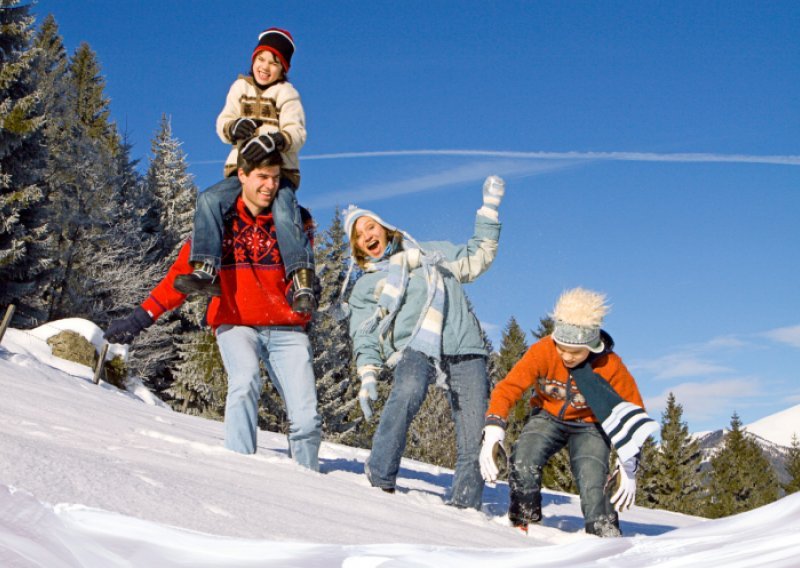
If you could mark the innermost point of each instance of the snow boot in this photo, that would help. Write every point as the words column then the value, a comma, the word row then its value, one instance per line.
column 303, row 300
column 203, row 280
column 606, row 526
column 525, row 508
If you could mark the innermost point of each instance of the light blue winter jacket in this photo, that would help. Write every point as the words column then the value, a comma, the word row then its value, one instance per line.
column 461, row 333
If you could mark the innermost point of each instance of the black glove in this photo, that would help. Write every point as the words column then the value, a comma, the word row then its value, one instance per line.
column 279, row 139
column 258, row 148
column 126, row 329
column 242, row 128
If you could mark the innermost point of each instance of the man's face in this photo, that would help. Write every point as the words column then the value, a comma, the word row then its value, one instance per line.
column 259, row 187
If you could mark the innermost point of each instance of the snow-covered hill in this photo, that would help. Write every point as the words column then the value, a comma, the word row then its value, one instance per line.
column 778, row 428
column 94, row 476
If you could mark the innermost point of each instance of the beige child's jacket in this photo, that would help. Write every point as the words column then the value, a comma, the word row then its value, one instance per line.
column 278, row 107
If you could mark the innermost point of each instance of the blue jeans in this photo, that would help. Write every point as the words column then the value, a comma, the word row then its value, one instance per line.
column 287, row 355
column 589, row 448
column 468, row 394
column 213, row 205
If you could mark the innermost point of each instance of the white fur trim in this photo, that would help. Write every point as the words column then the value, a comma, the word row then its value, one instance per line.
column 581, row 307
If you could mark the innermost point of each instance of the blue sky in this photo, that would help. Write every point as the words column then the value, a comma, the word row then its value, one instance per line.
column 651, row 150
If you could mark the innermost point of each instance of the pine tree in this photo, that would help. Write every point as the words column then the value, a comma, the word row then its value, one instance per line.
column 90, row 102
column 24, row 261
column 646, row 475
column 337, row 387
column 102, row 267
column 171, row 191
column 546, row 326
column 80, row 177
column 741, row 478
column 64, row 142
column 431, row 437
column 793, row 466
column 272, row 414
column 512, row 347
column 201, row 385
column 52, row 71
column 168, row 222
column 670, row 479
column 129, row 195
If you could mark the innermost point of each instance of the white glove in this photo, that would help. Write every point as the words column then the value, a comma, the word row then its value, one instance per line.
column 369, row 391
column 493, row 190
column 492, row 436
column 626, row 492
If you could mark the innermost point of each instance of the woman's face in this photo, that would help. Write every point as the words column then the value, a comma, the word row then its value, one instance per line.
column 371, row 237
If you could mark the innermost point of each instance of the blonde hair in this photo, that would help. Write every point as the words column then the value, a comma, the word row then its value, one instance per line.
column 581, row 307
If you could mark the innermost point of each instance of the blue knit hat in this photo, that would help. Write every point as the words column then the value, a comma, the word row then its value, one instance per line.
column 353, row 213
column 570, row 335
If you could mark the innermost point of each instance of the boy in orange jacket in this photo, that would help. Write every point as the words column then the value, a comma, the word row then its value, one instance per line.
column 584, row 399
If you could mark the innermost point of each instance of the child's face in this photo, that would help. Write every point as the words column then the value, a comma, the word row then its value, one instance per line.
column 371, row 237
column 266, row 68
column 572, row 356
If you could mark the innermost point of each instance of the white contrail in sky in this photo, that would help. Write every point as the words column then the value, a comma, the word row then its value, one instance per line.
column 474, row 171
column 614, row 156
column 683, row 157
column 515, row 163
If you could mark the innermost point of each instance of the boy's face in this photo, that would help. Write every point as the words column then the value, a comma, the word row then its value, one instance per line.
column 259, row 187
column 266, row 68
column 572, row 356
column 371, row 237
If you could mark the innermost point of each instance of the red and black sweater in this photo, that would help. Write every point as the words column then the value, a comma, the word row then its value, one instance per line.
column 252, row 276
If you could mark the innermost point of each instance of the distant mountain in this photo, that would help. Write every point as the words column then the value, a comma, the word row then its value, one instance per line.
column 773, row 433
column 778, row 428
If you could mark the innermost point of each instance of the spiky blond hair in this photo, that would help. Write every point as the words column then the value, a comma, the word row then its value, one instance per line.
column 581, row 307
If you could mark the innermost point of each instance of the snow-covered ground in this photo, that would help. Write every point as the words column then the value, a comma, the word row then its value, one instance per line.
column 94, row 476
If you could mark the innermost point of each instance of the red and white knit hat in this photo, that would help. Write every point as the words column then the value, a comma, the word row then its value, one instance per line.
column 279, row 42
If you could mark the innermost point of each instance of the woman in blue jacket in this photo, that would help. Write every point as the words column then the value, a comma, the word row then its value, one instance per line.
column 408, row 311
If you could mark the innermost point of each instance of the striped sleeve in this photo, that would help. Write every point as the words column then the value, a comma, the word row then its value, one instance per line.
column 476, row 257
